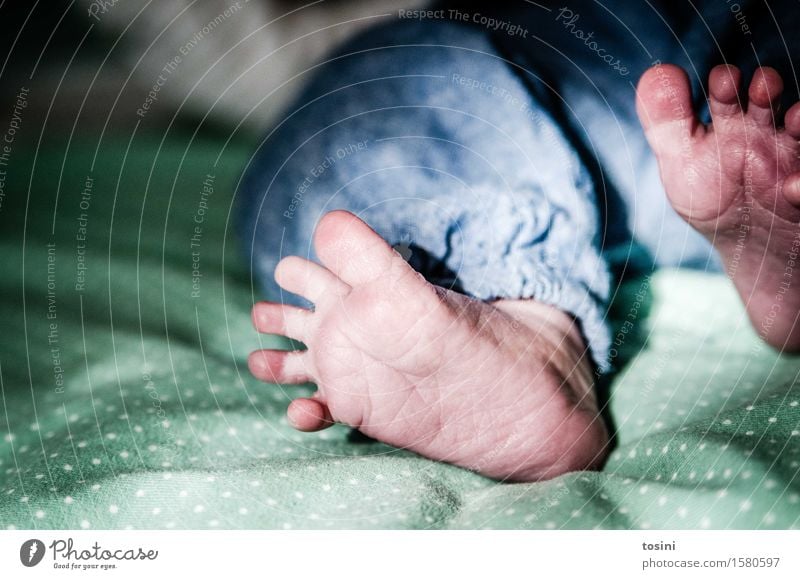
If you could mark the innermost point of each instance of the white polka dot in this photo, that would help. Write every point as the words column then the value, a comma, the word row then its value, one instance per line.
column 85, row 524
column 113, row 509
column 242, row 511
column 772, row 419
column 156, row 511
column 199, row 508
column 68, row 467
column 40, row 514
column 140, row 493
column 68, row 500
column 745, row 505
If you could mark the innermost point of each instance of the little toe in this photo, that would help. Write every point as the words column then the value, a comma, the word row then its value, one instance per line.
column 272, row 318
column 280, row 366
column 664, row 106
column 792, row 120
column 352, row 250
column 309, row 415
column 791, row 189
column 724, row 83
column 764, row 96
column 308, row 279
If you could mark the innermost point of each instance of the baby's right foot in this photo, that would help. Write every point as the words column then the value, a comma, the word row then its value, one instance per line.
column 737, row 182
column 504, row 389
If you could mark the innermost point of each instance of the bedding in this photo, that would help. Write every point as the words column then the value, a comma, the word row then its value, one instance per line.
column 126, row 401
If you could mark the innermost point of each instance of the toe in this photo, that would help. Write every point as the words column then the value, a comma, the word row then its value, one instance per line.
column 280, row 366
column 309, row 415
column 791, row 189
column 792, row 120
column 271, row 318
column 352, row 250
column 724, row 83
column 308, row 279
column 764, row 95
column 664, row 105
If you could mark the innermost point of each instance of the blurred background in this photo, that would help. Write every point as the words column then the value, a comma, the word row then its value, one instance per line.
column 93, row 63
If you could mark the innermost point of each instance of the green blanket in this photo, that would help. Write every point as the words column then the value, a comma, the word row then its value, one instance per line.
column 126, row 401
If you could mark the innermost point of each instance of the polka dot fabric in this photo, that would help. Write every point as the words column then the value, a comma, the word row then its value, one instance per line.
column 159, row 426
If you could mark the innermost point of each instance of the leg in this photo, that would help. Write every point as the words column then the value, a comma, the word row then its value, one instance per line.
column 501, row 387
column 736, row 181
column 496, row 378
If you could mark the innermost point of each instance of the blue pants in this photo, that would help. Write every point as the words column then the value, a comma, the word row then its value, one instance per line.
column 499, row 149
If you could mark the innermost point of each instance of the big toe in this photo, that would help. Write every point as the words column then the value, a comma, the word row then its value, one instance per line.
column 663, row 95
column 352, row 250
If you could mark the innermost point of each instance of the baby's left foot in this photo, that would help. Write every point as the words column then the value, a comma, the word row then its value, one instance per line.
column 502, row 388
column 736, row 181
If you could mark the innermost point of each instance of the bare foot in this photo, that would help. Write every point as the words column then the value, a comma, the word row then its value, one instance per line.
column 737, row 182
column 504, row 389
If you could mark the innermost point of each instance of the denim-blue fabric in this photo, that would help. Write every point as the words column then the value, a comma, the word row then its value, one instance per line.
column 498, row 147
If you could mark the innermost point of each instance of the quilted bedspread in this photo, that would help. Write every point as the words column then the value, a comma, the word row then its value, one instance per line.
column 126, row 401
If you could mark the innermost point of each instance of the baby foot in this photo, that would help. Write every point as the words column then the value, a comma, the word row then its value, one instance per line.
column 736, row 181
column 504, row 389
